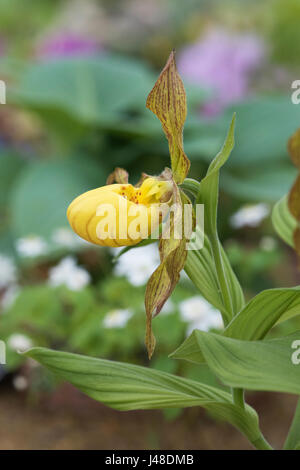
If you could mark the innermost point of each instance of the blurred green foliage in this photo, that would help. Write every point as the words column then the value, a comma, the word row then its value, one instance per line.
column 47, row 187
column 285, row 34
column 73, row 321
column 85, row 116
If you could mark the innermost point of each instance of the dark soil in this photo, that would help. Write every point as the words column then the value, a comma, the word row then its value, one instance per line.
column 70, row 420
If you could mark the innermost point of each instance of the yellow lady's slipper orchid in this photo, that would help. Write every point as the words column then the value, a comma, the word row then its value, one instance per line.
column 119, row 214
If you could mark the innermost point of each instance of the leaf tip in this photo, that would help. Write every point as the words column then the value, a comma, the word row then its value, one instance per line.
column 150, row 343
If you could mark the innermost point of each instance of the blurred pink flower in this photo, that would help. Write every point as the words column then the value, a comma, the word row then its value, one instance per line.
column 224, row 62
column 67, row 45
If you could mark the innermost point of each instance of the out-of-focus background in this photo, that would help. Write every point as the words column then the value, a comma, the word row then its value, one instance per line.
column 77, row 74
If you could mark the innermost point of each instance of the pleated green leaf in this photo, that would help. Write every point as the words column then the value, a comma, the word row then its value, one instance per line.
column 200, row 264
column 189, row 350
column 283, row 221
column 253, row 322
column 201, row 270
column 293, row 439
column 263, row 312
column 237, row 295
column 209, row 186
column 252, row 365
column 128, row 387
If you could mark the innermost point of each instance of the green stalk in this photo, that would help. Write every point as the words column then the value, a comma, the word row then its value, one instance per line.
column 293, row 439
column 238, row 397
column 215, row 245
column 261, row 444
column 193, row 187
column 237, row 393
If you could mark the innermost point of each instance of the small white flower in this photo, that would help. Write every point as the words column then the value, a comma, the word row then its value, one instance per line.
column 137, row 265
column 9, row 296
column 268, row 243
column 193, row 308
column 20, row 383
column 213, row 320
column 199, row 314
column 8, row 271
column 19, row 342
column 250, row 216
column 67, row 272
column 117, row 318
column 64, row 237
column 31, row 246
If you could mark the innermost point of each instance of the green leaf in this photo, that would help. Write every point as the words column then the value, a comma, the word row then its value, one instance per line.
column 202, row 147
column 263, row 312
column 293, row 439
column 200, row 265
column 258, row 168
column 89, row 89
column 253, row 322
column 262, row 183
column 283, row 221
column 26, row 312
column 45, row 189
column 264, row 126
column 209, row 186
column 208, row 195
column 10, row 166
column 237, row 295
column 189, row 350
column 201, row 270
column 129, row 387
column 252, row 365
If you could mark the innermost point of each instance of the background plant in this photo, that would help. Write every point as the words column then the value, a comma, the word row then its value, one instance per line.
column 242, row 357
column 46, row 134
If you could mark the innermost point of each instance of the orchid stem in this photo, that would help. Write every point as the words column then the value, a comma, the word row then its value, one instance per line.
column 238, row 397
column 261, row 444
column 215, row 245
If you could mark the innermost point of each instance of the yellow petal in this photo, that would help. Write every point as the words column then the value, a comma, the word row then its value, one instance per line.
column 117, row 214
